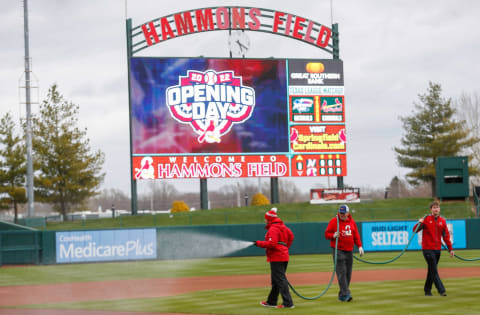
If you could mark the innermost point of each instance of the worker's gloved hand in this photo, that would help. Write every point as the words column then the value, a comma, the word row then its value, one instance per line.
column 452, row 253
column 360, row 250
column 336, row 234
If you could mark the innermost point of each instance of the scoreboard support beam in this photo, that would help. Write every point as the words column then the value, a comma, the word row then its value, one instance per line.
column 339, row 182
column 274, row 190
column 203, row 194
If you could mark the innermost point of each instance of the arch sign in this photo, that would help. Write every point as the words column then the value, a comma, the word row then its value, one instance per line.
column 232, row 18
column 227, row 117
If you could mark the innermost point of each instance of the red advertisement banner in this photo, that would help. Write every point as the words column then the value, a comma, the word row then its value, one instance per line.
column 219, row 166
column 334, row 195
column 318, row 138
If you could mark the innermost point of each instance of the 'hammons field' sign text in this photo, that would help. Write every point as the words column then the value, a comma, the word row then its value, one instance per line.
column 243, row 18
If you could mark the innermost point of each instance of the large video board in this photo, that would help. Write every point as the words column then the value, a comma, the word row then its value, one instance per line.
column 210, row 118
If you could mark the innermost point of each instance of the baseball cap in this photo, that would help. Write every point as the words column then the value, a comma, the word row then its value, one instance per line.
column 343, row 209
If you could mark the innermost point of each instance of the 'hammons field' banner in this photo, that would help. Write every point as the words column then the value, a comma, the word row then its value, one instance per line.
column 231, row 18
column 211, row 118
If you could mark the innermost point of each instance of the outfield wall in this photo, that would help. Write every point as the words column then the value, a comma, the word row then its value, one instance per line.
column 183, row 242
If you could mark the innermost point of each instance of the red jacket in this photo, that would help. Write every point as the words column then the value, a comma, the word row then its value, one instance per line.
column 277, row 232
column 433, row 231
column 348, row 233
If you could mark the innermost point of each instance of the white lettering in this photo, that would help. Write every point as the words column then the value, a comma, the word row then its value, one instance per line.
column 389, row 238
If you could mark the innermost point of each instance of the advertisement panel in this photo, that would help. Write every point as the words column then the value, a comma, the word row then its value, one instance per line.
column 209, row 118
column 318, row 138
column 210, row 166
column 394, row 236
column 334, row 195
column 90, row 246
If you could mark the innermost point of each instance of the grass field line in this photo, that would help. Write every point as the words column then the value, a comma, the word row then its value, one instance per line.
column 151, row 288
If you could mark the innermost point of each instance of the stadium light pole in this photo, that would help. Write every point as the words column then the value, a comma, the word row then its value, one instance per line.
column 30, row 197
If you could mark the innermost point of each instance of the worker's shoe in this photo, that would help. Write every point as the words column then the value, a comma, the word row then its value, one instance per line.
column 283, row 306
column 264, row 303
column 348, row 298
column 428, row 294
column 443, row 293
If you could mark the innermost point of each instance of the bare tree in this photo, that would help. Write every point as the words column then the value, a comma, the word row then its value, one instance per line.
column 110, row 198
column 469, row 110
column 290, row 193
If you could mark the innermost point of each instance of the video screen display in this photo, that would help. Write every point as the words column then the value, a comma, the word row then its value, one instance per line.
column 190, row 106
column 227, row 118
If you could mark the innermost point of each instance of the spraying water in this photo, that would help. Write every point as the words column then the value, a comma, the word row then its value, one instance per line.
column 183, row 244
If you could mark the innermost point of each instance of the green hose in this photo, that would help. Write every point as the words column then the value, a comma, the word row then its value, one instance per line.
column 461, row 258
column 331, row 279
column 466, row 259
column 395, row 258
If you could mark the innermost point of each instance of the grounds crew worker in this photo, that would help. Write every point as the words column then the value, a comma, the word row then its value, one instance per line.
column 347, row 237
column 277, row 242
column 434, row 229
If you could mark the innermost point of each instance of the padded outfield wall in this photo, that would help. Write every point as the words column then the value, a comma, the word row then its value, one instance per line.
column 184, row 242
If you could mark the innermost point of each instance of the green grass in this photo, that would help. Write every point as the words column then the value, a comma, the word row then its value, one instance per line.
column 27, row 275
column 391, row 209
column 399, row 297
column 396, row 297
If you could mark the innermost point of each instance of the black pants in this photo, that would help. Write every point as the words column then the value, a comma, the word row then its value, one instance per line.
column 432, row 257
column 344, row 271
column 279, row 284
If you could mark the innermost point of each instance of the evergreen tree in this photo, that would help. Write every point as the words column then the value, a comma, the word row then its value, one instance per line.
column 430, row 132
column 12, row 166
column 68, row 173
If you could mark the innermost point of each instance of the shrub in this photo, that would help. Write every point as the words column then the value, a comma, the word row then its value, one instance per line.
column 179, row 206
column 259, row 199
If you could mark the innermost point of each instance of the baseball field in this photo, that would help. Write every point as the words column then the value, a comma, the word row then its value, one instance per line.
column 236, row 285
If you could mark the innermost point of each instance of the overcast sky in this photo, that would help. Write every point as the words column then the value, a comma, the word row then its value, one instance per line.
column 390, row 51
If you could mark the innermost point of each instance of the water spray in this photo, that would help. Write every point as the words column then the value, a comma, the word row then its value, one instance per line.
column 184, row 244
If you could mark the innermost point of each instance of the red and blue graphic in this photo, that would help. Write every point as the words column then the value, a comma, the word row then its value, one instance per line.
column 203, row 106
column 211, row 102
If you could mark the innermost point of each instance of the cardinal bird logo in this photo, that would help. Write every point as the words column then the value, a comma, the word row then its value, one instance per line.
column 146, row 170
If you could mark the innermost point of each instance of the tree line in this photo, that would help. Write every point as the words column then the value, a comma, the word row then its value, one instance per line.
column 68, row 173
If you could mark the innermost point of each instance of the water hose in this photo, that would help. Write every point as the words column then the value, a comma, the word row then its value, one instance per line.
column 395, row 258
column 459, row 257
column 331, row 279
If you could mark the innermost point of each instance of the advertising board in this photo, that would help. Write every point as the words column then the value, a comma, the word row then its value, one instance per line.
column 334, row 195
column 90, row 246
column 394, row 235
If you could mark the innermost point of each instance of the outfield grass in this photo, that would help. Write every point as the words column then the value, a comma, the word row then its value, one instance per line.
column 398, row 297
column 27, row 275
column 394, row 297
column 390, row 209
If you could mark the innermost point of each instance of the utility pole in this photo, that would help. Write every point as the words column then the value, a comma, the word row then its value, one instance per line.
column 31, row 209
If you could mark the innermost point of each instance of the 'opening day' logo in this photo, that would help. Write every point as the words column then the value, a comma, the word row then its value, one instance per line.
column 211, row 102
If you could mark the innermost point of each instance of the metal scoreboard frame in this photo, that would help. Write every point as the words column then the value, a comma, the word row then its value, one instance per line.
column 211, row 104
